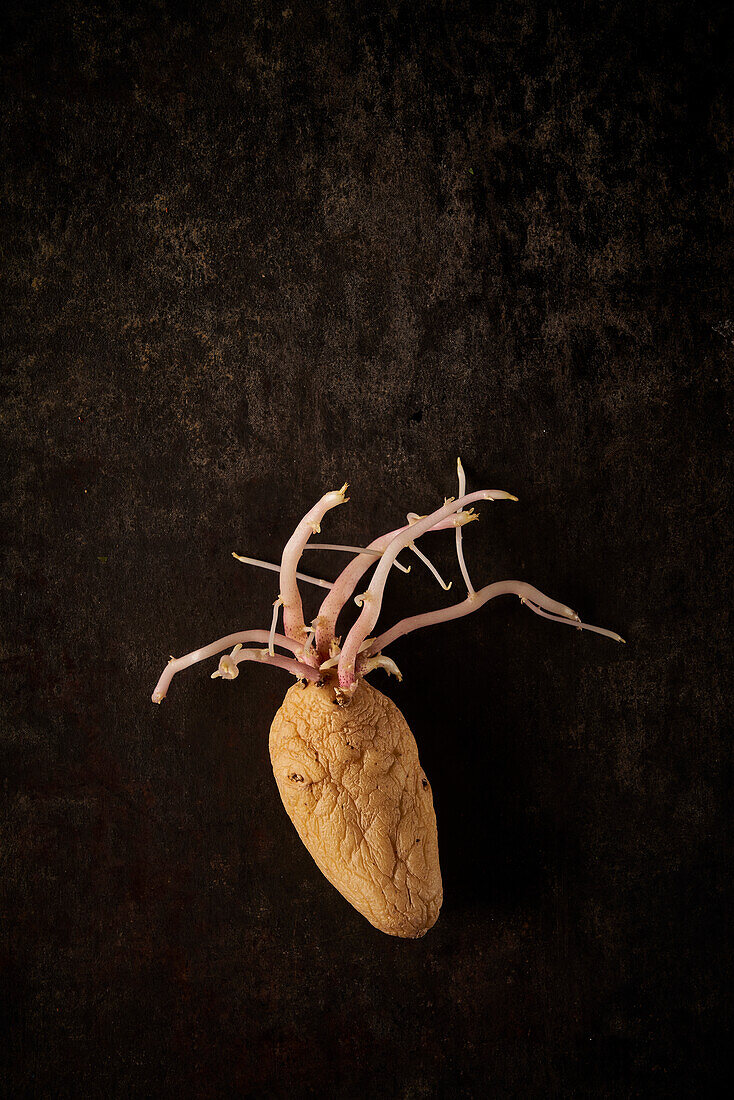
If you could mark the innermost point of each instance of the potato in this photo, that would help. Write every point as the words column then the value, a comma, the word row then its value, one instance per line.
column 352, row 784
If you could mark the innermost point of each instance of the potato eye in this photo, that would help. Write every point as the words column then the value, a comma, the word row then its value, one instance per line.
column 425, row 783
column 296, row 777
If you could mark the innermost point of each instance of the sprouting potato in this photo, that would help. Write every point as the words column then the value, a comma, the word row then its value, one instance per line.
column 344, row 759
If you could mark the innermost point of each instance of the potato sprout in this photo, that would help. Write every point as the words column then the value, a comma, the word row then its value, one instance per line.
column 314, row 649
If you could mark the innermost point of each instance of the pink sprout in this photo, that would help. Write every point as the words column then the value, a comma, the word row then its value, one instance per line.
column 291, row 598
column 372, row 598
column 315, row 651
column 348, row 579
column 177, row 664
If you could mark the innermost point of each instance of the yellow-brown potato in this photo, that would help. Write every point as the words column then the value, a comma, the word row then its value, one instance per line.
column 352, row 784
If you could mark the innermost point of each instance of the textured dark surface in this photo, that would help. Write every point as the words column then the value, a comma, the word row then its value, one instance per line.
column 251, row 251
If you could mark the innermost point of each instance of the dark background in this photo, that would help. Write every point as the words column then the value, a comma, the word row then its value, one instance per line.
column 252, row 251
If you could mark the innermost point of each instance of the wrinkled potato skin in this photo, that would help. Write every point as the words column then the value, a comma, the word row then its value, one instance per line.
column 362, row 806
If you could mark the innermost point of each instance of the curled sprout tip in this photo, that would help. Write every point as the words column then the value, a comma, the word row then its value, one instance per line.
column 379, row 661
column 337, row 496
column 462, row 518
column 228, row 669
column 403, row 568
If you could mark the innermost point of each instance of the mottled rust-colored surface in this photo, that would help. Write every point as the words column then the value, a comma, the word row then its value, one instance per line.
column 251, row 251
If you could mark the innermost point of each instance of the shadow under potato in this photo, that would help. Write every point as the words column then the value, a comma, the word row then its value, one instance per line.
column 495, row 843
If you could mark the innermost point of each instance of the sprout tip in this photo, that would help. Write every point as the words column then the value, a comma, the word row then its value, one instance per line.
column 503, row 496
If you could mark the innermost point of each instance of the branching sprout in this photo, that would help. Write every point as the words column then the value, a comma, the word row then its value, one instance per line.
column 315, row 651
